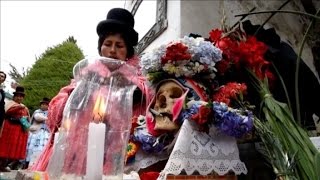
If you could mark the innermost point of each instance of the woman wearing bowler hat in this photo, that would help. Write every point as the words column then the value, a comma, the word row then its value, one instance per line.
column 3, row 77
column 116, row 39
column 39, row 133
column 117, row 35
column 13, row 140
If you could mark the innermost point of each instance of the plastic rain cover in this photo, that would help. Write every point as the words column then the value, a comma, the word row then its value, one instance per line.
column 96, row 122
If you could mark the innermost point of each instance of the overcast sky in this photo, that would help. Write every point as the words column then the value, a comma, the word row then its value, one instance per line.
column 28, row 28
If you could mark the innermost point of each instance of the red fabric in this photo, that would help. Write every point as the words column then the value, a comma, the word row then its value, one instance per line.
column 149, row 176
column 56, row 107
column 13, row 140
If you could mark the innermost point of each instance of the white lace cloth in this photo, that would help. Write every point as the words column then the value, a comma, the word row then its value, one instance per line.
column 205, row 153
column 144, row 160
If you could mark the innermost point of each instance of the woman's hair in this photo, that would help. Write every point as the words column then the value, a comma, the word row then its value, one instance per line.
column 130, row 49
column 5, row 75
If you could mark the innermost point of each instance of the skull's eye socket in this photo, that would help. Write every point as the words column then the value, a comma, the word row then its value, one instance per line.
column 176, row 92
column 162, row 101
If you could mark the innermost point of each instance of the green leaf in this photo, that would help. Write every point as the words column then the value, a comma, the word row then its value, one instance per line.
column 317, row 165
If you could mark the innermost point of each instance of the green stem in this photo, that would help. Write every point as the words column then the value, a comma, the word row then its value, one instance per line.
column 280, row 11
column 242, row 18
column 284, row 86
column 297, row 69
column 261, row 26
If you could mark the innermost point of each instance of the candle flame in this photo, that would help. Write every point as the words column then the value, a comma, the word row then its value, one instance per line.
column 99, row 109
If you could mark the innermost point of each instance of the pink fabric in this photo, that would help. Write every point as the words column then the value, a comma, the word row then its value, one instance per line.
column 198, row 88
column 56, row 108
column 75, row 160
column 177, row 106
column 97, row 67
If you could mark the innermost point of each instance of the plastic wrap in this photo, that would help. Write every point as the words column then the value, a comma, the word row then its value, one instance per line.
column 98, row 112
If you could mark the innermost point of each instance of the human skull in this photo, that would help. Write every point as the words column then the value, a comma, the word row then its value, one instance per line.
column 166, row 96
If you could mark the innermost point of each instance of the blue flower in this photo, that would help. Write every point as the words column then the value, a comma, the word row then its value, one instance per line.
column 232, row 122
column 149, row 143
column 209, row 53
column 187, row 113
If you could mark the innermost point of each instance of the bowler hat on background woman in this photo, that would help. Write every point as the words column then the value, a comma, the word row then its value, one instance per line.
column 19, row 90
column 45, row 100
column 119, row 20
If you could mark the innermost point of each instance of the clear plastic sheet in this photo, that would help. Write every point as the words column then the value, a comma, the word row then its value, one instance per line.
column 98, row 112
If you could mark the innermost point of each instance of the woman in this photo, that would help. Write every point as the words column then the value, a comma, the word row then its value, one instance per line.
column 13, row 140
column 116, row 40
column 39, row 133
column 3, row 77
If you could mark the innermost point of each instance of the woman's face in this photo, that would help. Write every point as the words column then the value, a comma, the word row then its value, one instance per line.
column 18, row 98
column 2, row 78
column 114, row 47
column 44, row 106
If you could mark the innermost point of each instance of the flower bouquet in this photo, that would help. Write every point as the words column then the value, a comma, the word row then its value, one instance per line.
column 286, row 145
column 186, row 57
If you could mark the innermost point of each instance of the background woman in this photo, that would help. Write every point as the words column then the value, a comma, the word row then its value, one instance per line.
column 13, row 140
column 39, row 133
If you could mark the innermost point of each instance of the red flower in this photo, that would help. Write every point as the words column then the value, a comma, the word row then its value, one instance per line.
column 230, row 52
column 223, row 66
column 176, row 52
column 215, row 35
column 248, row 53
column 203, row 115
column 229, row 91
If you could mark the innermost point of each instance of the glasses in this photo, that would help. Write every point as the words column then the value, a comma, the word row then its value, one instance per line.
column 2, row 76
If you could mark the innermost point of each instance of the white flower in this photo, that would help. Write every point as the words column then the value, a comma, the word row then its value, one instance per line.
column 151, row 61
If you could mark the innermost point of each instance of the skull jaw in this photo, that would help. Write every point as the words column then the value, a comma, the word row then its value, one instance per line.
column 165, row 124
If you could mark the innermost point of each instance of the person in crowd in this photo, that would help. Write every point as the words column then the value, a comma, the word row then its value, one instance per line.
column 117, row 39
column 39, row 133
column 13, row 140
column 3, row 77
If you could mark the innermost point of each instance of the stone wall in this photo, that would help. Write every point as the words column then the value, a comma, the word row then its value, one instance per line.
column 202, row 16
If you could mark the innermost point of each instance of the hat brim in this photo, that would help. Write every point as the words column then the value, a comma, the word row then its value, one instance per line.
column 111, row 25
column 14, row 93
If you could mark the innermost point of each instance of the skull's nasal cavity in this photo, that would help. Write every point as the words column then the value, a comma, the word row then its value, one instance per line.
column 162, row 101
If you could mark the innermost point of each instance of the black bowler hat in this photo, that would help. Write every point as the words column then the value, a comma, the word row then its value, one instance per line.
column 19, row 90
column 119, row 20
column 45, row 100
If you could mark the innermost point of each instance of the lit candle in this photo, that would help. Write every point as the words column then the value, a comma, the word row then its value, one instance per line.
column 56, row 137
column 96, row 139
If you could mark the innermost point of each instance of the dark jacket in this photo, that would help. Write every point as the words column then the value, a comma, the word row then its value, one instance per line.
column 2, row 112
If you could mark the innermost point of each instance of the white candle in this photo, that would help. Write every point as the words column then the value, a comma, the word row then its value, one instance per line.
column 56, row 137
column 95, row 152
